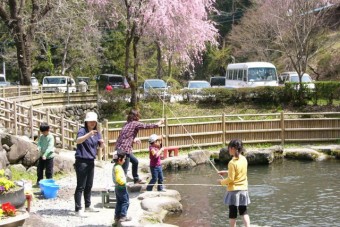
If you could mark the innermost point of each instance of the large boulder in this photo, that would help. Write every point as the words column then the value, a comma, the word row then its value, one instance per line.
column 63, row 162
column 19, row 148
column 199, row 156
column 156, row 205
column 265, row 155
column 154, row 194
column 224, row 155
column 178, row 162
column 302, row 153
column 3, row 158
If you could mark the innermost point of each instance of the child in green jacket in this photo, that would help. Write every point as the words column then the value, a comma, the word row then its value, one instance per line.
column 46, row 149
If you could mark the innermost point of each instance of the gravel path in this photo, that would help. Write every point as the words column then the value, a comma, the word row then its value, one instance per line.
column 60, row 211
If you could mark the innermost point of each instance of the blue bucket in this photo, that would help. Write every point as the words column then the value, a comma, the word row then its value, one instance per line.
column 51, row 190
column 45, row 181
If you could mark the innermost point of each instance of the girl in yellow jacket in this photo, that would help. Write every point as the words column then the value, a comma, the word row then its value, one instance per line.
column 237, row 184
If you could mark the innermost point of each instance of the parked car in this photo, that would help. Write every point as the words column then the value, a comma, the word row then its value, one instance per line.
column 116, row 81
column 3, row 81
column 35, row 84
column 194, row 89
column 155, row 88
column 58, row 84
column 294, row 77
column 217, row 81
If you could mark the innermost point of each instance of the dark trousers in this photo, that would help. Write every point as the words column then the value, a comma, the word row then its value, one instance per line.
column 157, row 176
column 85, row 173
column 46, row 164
column 131, row 158
column 122, row 202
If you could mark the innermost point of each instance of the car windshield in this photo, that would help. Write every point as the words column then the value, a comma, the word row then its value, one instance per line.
column 304, row 79
column 115, row 79
column 155, row 84
column 261, row 74
column 54, row 80
column 2, row 79
column 217, row 81
column 199, row 84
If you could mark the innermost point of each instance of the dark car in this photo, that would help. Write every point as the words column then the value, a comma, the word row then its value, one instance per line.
column 114, row 80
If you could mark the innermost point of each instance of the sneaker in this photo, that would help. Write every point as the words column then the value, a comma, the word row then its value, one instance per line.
column 81, row 214
column 139, row 181
column 91, row 209
column 123, row 219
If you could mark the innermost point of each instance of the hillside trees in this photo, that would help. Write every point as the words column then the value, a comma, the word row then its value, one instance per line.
column 21, row 19
column 180, row 28
column 287, row 27
column 72, row 34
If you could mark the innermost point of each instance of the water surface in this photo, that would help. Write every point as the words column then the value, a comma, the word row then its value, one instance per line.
column 286, row 193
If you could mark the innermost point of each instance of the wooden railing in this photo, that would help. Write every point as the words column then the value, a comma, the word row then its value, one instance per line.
column 28, row 96
column 218, row 130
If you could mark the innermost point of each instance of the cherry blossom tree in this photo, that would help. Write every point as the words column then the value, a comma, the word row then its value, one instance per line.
column 180, row 28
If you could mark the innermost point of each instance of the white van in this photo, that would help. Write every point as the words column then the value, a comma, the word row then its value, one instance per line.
column 3, row 81
column 58, row 84
column 251, row 74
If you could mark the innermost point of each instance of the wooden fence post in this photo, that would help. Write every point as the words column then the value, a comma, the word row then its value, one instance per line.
column 223, row 130
column 15, row 118
column 282, row 129
column 106, row 139
column 7, row 115
column 48, row 116
column 99, row 150
column 166, row 131
column 62, row 131
column 31, row 122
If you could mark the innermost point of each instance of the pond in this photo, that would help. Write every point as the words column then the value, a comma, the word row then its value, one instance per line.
column 285, row 193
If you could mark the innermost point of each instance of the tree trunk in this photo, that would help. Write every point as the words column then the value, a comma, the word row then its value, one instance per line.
column 159, row 60
column 127, row 66
column 23, row 45
column 135, row 71
column 170, row 67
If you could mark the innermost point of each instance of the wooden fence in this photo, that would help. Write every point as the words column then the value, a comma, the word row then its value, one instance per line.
column 24, row 120
column 186, row 132
column 218, row 130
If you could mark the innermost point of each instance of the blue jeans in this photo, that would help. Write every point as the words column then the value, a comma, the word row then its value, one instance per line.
column 122, row 202
column 157, row 175
column 131, row 158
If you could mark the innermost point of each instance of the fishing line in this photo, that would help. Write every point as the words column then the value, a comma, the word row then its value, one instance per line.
column 186, row 131
column 205, row 185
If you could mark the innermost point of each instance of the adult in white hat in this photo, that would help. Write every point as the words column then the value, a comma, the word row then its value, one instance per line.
column 127, row 137
column 88, row 140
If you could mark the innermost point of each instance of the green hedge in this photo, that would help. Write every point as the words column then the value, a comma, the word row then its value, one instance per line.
column 288, row 94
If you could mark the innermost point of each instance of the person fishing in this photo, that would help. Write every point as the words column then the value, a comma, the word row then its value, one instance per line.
column 126, row 139
column 237, row 196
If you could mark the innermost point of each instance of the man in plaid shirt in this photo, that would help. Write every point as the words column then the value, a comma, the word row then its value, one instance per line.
column 126, row 139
